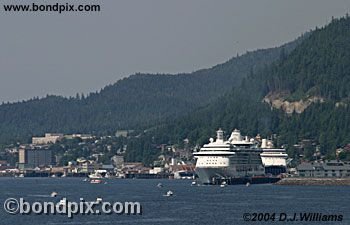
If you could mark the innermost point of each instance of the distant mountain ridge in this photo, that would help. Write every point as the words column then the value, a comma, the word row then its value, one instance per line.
column 140, row 100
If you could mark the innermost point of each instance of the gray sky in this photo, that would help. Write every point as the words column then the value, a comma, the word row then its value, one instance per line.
column 43, row 53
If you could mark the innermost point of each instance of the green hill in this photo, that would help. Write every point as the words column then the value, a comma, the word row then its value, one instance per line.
column 140, row 100
column 302, row 96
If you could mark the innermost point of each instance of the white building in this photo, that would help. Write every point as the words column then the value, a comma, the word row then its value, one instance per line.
column 50, row 138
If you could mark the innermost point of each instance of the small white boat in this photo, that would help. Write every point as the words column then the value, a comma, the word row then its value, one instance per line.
column 247, row 184
column 85, row 179
column 95, row 176
column 169, row 194
column 160, row 185
column 194, row 183
column 21, row 175
column 98, row 200
column 223, row 184
column 53, row 175
column 53, row 194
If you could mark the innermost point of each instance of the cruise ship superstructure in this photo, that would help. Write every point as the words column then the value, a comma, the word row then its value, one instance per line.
column 273, row 159
column 234, row 158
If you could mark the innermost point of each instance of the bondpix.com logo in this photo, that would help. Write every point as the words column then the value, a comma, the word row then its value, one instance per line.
column 71, row 208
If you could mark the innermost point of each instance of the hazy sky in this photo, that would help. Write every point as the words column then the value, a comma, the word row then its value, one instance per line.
column 48, row 53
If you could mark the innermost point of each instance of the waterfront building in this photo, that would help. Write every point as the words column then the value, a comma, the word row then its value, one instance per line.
column 118, row 161
column 31, row 156
column 331, row 168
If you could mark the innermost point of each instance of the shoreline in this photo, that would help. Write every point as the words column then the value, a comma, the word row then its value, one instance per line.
column 312, row 181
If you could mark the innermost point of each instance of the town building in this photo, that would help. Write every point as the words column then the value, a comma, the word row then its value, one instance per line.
column 50, row 138
column 118, row 161
column 86, row 166
column 81, row 136
column 331, row 168
column 122, row 133
column 134, row 168
column 31, row 156
column 4, row 165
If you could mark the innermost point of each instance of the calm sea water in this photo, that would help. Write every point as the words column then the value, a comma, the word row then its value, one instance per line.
column 189, row 205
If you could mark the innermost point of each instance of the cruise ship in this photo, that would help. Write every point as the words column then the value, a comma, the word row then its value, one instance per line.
column 273, row 159
column 234, row 160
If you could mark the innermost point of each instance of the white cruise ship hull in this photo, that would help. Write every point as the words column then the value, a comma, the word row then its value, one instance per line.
column 208, row 175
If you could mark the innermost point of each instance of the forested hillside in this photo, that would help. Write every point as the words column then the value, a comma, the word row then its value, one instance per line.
column 319, row 66
column 138, row 101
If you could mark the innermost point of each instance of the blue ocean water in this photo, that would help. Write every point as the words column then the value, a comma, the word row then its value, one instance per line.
column 189, row 205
